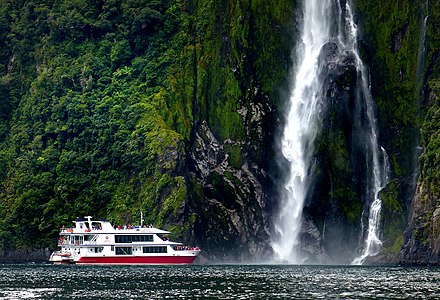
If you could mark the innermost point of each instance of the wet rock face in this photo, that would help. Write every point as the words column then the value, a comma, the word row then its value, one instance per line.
column 25, row 256
column 329, row 56
column 230, row 204
column 337, row 66
column 422, row 240
column 332, row 228
column 398, row 37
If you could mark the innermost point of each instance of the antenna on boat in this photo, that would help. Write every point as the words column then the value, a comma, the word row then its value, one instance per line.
column 142, row 219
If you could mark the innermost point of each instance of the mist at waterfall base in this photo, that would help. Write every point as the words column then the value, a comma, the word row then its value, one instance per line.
column 34, row 281
column 330, row 100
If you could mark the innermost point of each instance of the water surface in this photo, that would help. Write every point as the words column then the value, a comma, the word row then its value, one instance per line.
column 217, row 282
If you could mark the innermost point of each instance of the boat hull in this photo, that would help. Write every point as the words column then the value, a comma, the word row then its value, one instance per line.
column 57, row 259
column 137, row 260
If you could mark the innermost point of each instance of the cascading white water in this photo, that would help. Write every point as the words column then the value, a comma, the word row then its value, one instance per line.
column 380, row 169
column 373, row 244
column 303, row 124
column 301, row 128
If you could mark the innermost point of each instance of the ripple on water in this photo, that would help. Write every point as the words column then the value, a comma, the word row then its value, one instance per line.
column 216, row 282
column 27, row 293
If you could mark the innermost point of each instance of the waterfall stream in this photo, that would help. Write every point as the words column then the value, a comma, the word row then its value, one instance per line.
column 303, row 123
column 301, row 128
column 422, row 51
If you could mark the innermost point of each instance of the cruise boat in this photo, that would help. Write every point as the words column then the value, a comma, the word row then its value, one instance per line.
column 98, row 242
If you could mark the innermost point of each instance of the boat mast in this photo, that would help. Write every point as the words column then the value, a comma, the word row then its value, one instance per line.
column 89, row 221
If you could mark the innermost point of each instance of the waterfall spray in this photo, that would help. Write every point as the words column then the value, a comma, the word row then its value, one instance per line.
column 302, row 125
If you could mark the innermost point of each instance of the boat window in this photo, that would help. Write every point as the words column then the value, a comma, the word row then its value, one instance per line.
column 88, row 238
column 157, row 249
column 133, row 238
column 96, row 226
column 124, row 250
column 75, row 239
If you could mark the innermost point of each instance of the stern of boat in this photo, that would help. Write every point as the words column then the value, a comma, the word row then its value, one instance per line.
column 58, row 257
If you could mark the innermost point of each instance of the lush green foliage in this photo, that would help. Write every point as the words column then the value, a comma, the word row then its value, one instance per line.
column 99, row 101
column 430, row 158
column 89, row 121
column 393, row 30
column 393, row 218
column 232, row 43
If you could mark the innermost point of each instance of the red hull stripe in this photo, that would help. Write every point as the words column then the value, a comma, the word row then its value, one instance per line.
column 134, row 260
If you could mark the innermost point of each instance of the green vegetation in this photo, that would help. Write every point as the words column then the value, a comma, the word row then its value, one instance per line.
column 392, row 32
column 89, row 117
column 336, row 164
column 393, row 217
column 99, row 101
column 405, row 72
column 430, row 158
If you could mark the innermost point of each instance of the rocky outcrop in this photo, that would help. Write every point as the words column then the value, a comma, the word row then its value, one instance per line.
column 422, row 240
column 333, row 207
column 240, row 58
column 25, row 256
column 422, row 236
column 231, row 206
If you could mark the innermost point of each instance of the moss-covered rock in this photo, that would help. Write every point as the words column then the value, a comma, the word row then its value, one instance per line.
column 234, row 95
column 393, row 219
column 401, row 46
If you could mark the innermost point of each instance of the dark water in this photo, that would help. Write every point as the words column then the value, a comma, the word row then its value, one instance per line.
column 217, row 282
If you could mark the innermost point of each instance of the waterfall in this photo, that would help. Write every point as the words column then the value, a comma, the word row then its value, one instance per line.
column 380, row 177
column 421, row 52
column 303, row 123
column 301, row 128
